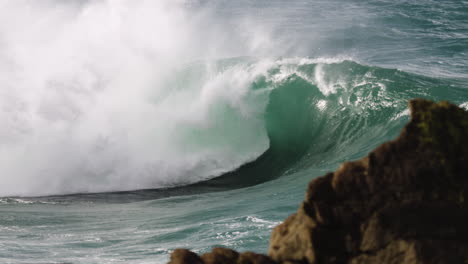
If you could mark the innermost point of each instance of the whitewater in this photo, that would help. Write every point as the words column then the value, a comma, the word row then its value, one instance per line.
column 131, row 128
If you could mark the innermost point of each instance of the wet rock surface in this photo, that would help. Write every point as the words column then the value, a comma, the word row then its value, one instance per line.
column 403, row 203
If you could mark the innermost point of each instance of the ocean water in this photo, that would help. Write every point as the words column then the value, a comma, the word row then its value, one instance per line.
column 131, row 128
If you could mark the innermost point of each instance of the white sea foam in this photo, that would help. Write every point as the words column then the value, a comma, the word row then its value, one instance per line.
column 464, row 105
column 85, row 105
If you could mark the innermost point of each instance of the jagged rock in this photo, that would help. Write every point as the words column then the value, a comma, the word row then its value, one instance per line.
column 403, row 203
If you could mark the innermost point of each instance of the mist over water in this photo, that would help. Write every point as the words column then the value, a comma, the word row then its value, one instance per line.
column 89, row 101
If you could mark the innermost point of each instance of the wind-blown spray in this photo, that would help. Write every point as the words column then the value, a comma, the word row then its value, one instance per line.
column 89, row 100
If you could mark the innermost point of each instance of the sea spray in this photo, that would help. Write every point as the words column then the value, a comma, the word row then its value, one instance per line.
column 90, row 103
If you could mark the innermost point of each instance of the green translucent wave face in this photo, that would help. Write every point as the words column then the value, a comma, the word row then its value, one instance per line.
column 328, row 112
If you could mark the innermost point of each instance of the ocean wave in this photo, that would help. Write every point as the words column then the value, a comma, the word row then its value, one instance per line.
column 248, row 119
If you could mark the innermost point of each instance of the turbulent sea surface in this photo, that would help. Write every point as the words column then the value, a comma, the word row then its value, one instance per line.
column 131, row 128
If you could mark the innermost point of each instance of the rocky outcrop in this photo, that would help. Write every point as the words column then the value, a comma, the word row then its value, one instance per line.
column 403, row 203
column 218, row 256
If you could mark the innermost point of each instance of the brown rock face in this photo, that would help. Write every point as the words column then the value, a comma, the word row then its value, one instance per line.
column 403, row 203
column 218, row 256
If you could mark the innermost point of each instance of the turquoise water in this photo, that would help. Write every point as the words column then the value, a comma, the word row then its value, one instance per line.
column 132, row 129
